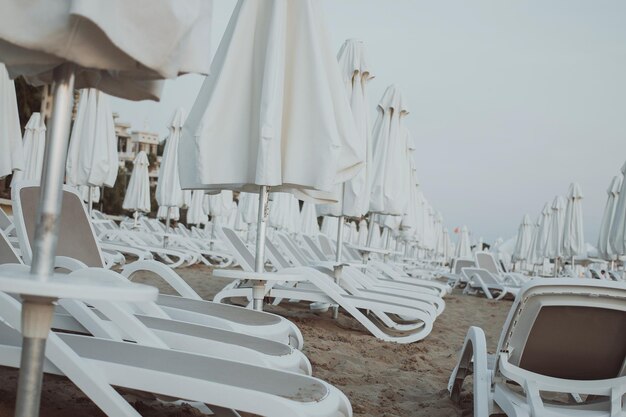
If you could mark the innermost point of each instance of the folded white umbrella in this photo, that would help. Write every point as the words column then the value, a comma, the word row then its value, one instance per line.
column 119, row 47
column 618, row 228
column 604, row 248
column 34, row 149
column 240, row 225
column 168, row 213
column 329, row 226
column 274, row 114
column 543, row 229
column 219, row 206
column 573, row 233
column 354, row 233
column 249, row 206
column 363, row 233
column 389, row 170
column 137, row 196
column 116, row 46
column 196, row 214
column 308, row 220
column 448, row 247
column 376, row 240
column 169, row 194
column 12, row 155
column 554, row 243
column 524, row 239
column 463, row 249
column 92, row 155
column 356, row 74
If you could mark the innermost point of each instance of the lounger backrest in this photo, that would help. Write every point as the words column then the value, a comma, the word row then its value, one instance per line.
column 76, row 236
column 314, row 248
column 327, row 247
column 244, row 257
column 5, row 221
column 576, row 342
column 486, row 261
column 297, row 257
column 276, row 257
column 459, row 264
column 484, row 275
column 567, row 328
column 7, row 253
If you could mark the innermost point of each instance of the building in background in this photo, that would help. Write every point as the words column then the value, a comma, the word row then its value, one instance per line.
column 130, row 142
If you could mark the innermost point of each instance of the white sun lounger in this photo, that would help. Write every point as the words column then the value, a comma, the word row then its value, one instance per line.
column 482, row 280
column 326, row 291
column 382, row 274
column 357, row 283
column 485, row 260
column 562, row 336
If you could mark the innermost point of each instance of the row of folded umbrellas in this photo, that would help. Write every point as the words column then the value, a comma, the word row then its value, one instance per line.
column 558, row 230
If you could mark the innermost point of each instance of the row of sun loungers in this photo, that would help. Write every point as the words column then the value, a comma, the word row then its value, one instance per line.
column 563, row 336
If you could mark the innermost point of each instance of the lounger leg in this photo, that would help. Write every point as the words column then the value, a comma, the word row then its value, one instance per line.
column 473, row 360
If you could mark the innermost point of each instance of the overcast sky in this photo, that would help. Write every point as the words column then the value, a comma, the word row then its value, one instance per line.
column 510, row 101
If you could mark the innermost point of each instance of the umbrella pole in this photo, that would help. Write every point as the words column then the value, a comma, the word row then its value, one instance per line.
column 36, row 311
column 90, row 201
column 167, row 227
column 258, row 289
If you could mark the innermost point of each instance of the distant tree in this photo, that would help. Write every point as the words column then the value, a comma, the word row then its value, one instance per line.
column 28, row 100
column 113, row 198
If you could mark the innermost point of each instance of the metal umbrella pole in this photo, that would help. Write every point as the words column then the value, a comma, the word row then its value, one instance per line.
column 36, row 311
column 258, row 289
column 167, row 226
column 90, row 200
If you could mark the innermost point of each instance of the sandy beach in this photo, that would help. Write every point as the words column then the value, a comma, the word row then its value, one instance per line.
column 381, row 379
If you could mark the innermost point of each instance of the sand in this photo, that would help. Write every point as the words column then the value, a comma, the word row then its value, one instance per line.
column 381, row 379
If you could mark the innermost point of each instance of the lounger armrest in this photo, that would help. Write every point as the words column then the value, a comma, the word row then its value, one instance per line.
column 165, row 273
column 70, row 264
column 533, row 383
column 473, row 360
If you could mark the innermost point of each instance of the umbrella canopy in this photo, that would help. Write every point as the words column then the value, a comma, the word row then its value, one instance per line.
column 463, row 249
column 249, row 206
column 162, row 213
column 284, row 212
column 355, row 71
column 604, row 248
column 541, row 240
column 524, row 240
column 447, row 246
column 12, row 155
column 376, row 240
column 116, row 46
column 168, row 190
column 329, row 226
column 195, row 213
column 92, row 154
column 573, row 233
column 618, row 228
column 308, row 220
column 34, row 147
column 275, row 113
column 137, row 196
column 389, row 164
column 220, row 204
column 554, row 241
